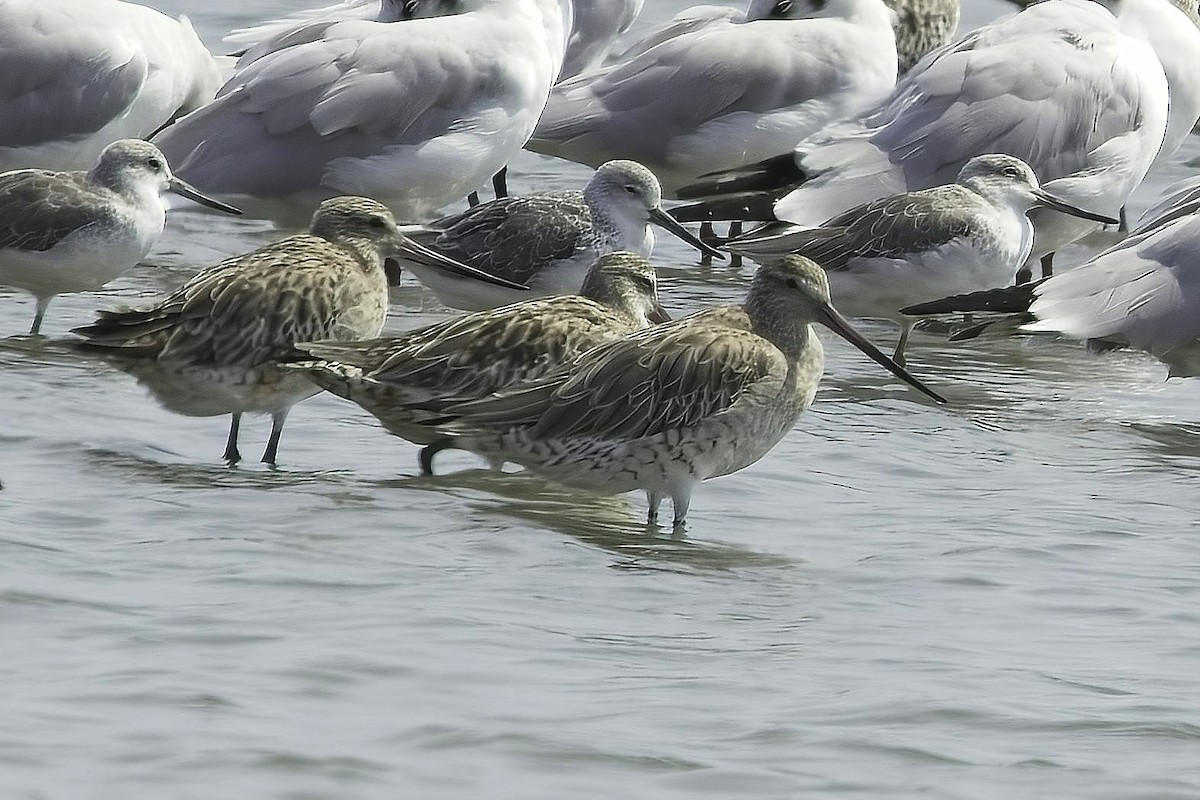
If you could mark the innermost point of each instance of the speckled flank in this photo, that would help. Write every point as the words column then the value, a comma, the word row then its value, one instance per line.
column 922, row 26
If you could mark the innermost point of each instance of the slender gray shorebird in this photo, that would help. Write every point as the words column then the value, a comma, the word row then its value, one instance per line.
column 675, row 404
column 210, row 348
column 485, row 352
column 1142, row 293
column 76, row 231
column 547, row 241
column 900, row 250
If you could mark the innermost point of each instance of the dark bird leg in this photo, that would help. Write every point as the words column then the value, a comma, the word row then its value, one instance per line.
column 1124, row 226
column 500, row 182
column 473, row 199
column 231, row 449
column 277, row 420
column 655, row 500
column 735, row 230
column 425, row 457
column 1047, row 265
column 709, row 237
column 42, row 304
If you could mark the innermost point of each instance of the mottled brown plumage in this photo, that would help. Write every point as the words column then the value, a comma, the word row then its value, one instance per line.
column 484, row 352
column 673, row 405
column 211, row 346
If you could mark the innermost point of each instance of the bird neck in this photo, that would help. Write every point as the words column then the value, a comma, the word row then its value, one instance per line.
column 777, row 321
column 365, row 251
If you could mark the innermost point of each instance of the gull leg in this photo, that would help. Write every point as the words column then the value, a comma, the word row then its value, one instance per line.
column 500, row 182
column 1124, row 226
column 1047, row 265
column 277, row 420
column 735, row 229
column 231, row 449
column 708, row 236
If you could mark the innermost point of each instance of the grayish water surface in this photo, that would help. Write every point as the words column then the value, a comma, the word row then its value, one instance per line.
column 997, row 599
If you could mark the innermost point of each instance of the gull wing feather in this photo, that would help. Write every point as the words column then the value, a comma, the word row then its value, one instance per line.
column 297, row 118
column 1005, row 95
column 1145, row 295
column 720, row 71
column 690, row 20
column 59, row 79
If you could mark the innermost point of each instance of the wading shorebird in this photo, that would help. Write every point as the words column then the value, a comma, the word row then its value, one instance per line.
column 76, row 231
column 485, row 352
column 673, row 405
column 1142, row 293
column 212, row 346
column 547, row 241
column 890, row 253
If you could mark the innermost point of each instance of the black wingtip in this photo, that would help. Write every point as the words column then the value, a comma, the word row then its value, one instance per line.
column 774, row 175
column 748, row 207
column 1007, row 300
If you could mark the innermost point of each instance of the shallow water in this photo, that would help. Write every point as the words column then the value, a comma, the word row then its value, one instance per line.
column 994, row 599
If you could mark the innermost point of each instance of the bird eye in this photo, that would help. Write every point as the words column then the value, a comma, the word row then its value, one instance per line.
column 377, row 222
column 1011, row 172
column 631, row 189
column 154, row 163
column 409, row 10
column 784, row 6
column 791, row 283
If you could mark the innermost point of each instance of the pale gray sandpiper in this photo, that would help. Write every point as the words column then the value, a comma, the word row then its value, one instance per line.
column 788, row 70
column 76, row 231
column 487, row 351
column 675, row 404
column 78, row 75
column 210, row 348
column 1143, row 293
column 900, row 250
column 548, row 241
column 442, row 101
